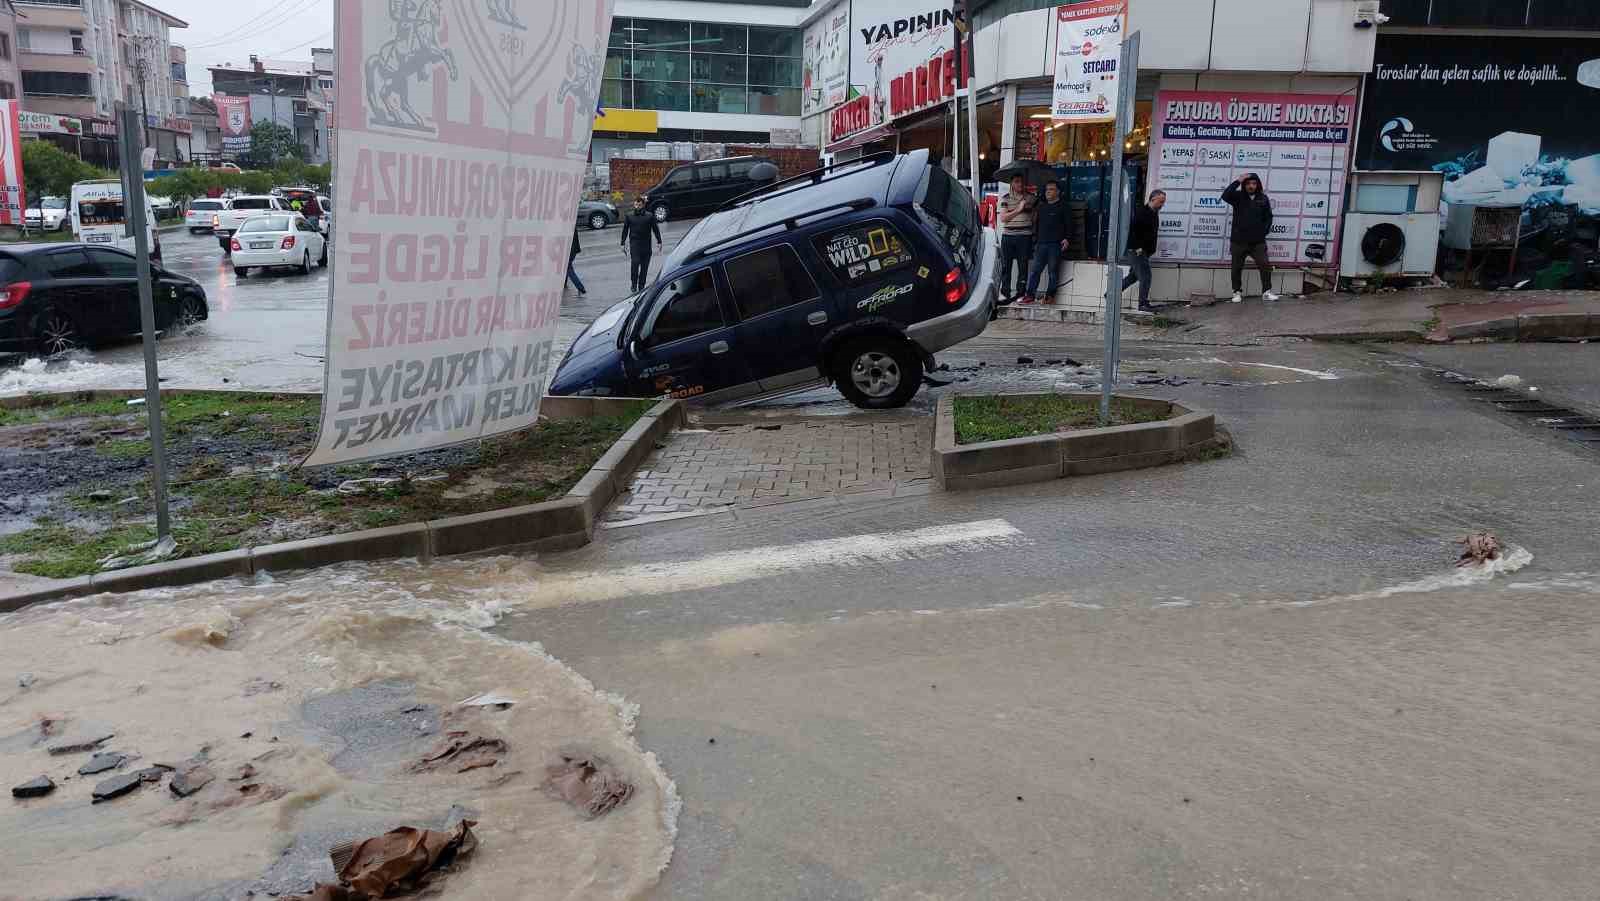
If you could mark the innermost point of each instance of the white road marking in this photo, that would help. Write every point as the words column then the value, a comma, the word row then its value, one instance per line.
column 732, row 567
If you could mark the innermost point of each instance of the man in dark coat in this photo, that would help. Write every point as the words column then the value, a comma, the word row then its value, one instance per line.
column 1142, row 232
column 1252, row 222
column 637, row 228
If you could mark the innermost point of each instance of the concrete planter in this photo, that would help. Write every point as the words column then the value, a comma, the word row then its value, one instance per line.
column 1016, row 461
column 552, row 525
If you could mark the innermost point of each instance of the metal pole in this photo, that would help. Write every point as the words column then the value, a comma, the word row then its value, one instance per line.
column 1117, row 236
column 133, row 204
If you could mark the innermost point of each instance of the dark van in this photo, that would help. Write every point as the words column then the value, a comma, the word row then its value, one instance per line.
column 694, row 189
column 856, row 274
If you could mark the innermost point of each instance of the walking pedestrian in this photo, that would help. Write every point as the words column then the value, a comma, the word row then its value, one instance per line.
column 1142, row 232
column 1050, row 242
column 1016, row 237
column 637, row 227
column 1252, row 222
column 572, row 274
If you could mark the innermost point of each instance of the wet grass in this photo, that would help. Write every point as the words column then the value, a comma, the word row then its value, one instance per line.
column 234, row 485
column 999, row 417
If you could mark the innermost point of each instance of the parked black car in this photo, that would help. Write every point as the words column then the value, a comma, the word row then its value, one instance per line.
column 697, row 188
column 855, row 274
column 61, row 296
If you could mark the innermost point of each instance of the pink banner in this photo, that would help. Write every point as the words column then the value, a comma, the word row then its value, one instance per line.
column 233, row 115
column 1299, row 144
column 13, row 193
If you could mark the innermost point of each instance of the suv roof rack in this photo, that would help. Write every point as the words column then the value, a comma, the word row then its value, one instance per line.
column 815, row 177
column 791, row 223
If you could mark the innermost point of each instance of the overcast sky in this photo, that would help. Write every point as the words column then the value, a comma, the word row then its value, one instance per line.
column 228, row 31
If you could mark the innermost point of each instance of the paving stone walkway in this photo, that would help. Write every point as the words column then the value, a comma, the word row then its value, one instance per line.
column 758, row 464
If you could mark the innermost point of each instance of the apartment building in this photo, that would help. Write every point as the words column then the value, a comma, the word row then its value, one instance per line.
column 10, row 75
column 295, row 94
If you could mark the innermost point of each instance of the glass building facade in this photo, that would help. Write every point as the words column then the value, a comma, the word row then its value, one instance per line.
column 701, row 67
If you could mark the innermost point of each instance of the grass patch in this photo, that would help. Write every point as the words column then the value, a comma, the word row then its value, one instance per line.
column 46, row 412
column 124, row 448
column 57, row 551
column 999, row 417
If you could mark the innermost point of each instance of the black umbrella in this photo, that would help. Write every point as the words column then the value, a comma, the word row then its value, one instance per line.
column 1033, row 172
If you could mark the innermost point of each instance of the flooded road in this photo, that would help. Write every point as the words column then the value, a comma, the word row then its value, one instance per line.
column 310, row 701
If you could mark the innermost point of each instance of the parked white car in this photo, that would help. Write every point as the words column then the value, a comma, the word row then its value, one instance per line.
column 277, row 239
column 201, row 209
column 50, row 215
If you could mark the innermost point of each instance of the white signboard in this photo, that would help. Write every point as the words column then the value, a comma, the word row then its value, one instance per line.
column 1088, row 47
column 48, row 123
column 826, row 54
column 891, row 37
column 463, row 131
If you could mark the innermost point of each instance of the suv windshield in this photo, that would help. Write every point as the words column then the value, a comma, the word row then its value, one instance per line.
column 252, row 203
column 205, row 205
column 54, row 203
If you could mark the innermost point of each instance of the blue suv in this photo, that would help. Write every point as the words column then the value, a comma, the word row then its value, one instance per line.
column 854, row 274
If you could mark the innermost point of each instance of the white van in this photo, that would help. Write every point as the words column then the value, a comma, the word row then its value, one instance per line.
column 98, row 216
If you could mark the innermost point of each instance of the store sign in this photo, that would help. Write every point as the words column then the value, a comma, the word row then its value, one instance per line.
column 1088, row 48
column 455, row 214
column 826, row 60
column 929, row 84
column 851, row 117
column 1297, row 143
column 100, row 128
column 889, row 38
column 1507, row 119
column 233, row 116
column 48, row 124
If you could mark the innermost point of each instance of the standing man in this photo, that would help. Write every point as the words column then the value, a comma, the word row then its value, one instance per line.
column 1142, row 232
column 572, row 274
column 1016, row 237
column 1252, row 222
column 637, row 227
column 1050, row 231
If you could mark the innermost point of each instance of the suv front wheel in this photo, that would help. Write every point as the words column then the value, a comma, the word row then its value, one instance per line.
column 877, row 373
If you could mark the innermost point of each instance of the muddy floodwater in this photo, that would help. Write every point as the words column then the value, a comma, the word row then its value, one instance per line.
column 310, row 701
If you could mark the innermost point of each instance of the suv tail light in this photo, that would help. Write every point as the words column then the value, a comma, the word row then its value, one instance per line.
column 235, row 244
column 954, row 287
column 288, row 243
column 16, row 293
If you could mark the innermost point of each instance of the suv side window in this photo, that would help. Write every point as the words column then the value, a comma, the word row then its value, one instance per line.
column 740, row 169
column 712, row 174
column 689, row 307
column 679, row 178
column 768, row 279
column 861, row 252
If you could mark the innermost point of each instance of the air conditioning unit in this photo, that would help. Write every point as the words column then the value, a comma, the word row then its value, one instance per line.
column 1391, row 228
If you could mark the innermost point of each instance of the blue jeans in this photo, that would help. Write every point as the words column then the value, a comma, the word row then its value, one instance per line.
column 572, row 276
column 1014, row 248
column 1046, row 254
column 1140, row 265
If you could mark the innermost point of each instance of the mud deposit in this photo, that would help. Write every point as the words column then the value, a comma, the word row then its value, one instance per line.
column 310, row 703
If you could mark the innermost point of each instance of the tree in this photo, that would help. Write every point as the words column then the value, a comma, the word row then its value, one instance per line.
column 271, row 143
column 47, row 169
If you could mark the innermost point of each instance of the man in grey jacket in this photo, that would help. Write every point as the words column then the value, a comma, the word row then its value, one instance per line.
column 1252, row 222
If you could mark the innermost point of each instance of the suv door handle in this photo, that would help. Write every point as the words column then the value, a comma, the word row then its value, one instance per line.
column 817, row 318
column 718, row 347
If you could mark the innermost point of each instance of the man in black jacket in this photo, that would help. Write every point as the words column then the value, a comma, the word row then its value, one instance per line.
column 1142, row 232
column 1051, row 226
column 1252, row 222
column 637, row 227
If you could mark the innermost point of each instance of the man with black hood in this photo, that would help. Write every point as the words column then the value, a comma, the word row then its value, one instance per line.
column 637, row 229
column 1252, row 222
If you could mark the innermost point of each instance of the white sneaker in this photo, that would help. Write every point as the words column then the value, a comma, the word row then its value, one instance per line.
column 1268, row 295
column 1237, row 298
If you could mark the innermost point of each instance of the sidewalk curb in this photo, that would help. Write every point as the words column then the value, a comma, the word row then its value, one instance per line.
column 562, row 524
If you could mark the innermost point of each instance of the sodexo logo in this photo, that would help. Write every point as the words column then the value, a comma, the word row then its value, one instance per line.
column 1387, row 134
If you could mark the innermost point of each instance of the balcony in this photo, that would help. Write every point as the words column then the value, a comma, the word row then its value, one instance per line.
column 37, row 61
column 53, row 15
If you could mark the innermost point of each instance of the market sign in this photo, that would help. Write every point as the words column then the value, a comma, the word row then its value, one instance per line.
column 1088, row 47
column 1298, row 144
column 458, row 169
column 849, row 118
column 48, row 124
column 889, row 38
column 929, row 84
column 1508, row 120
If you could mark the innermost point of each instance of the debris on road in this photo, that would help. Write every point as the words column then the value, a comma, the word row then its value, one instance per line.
column 141, row 554
column 1479, row 548
column 117, row 786
column 80, row 746
column 1024, row 361
column 487, row 699
column 401, row 860
column 190, row 779
column 26, row 680
column 587, row 782
column 464, row 751
column 1508, row 381
column 100, row 763
column 35, row 788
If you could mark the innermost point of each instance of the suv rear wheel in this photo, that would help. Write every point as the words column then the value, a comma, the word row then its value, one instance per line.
column 877, row 373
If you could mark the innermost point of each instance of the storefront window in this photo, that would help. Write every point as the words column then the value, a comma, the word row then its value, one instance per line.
column 775, row 42
column 720, row 38
column 775, row 101
column 617, row 64
column 719, row 68
column 660, row 65
column 661, row 95
column 654, row 34
column 615, row 93
column 779, row 72
column 717, row 98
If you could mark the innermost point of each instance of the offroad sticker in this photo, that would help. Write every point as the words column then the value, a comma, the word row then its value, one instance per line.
column 883, row 297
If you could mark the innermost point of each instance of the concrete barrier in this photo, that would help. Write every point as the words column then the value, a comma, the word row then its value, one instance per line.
column 1040, row 458
column 552, row 525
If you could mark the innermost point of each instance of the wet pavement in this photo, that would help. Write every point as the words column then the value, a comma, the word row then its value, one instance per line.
column 267, row 332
